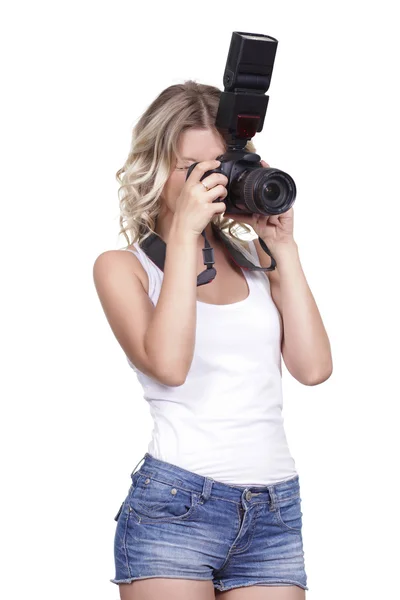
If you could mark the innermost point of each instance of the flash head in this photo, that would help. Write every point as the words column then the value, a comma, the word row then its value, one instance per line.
column 247, row 76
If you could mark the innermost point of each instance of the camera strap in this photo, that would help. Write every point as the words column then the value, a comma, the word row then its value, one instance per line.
column 155, row 248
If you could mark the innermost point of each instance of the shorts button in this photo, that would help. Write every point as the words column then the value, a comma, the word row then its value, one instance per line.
column 147, row 480
column 248, row 495
column 174, row 491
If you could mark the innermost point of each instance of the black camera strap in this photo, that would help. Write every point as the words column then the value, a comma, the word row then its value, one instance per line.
column 155, row 248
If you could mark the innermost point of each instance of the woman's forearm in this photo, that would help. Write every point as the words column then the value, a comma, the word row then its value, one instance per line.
column 170, row 337
column 305, row 348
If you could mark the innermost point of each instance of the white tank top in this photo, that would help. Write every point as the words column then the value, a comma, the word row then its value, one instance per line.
column 225, row 421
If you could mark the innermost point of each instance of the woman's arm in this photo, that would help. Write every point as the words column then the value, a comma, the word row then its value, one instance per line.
column 170, row 337
column 305, row 344
column 158, row 340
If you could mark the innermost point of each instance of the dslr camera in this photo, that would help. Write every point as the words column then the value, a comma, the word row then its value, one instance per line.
column 251, row 187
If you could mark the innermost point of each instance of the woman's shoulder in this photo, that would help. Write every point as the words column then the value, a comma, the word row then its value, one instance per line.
column 122, row 260
column 138, row 263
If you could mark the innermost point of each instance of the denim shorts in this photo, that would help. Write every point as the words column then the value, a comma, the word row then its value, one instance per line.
column 179, row 524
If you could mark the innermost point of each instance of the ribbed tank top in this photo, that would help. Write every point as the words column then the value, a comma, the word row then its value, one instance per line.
column 225, row 421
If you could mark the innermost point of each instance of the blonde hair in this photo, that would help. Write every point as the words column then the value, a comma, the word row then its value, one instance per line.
column 153, row 152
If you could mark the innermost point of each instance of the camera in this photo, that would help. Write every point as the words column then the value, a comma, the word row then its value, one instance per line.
column 251, row 187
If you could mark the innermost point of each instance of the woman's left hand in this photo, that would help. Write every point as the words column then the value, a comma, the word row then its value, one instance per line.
column 274, row 230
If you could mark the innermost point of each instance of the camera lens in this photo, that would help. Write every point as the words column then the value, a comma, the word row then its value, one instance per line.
column 271, row 192
column 265, row 191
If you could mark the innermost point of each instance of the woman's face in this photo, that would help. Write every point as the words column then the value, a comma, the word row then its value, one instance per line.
column 195, row 145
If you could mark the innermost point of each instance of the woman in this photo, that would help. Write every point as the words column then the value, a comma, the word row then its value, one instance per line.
column 215, row 505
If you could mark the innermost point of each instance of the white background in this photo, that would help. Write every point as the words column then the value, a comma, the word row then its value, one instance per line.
column 76, row 76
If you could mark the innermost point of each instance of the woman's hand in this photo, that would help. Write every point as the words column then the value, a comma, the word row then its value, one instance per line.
column 274, row 230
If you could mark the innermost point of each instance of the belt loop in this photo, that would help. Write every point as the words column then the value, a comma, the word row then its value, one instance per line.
column 207, row 486
column 138, row 464
column 272, row 496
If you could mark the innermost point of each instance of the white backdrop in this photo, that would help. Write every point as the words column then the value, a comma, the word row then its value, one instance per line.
column 76, row 76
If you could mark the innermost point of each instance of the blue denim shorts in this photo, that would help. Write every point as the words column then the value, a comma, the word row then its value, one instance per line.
column 179, row 524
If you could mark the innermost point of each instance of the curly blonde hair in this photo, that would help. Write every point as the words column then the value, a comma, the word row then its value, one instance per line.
column 153, row 152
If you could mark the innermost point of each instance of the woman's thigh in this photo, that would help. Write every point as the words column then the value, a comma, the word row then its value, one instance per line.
column 167, row 589
column 258, row 592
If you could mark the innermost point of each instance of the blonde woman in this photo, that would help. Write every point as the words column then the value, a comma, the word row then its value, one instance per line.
column 215, row 509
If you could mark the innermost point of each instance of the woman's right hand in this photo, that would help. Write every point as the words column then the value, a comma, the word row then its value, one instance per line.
column 195, row 206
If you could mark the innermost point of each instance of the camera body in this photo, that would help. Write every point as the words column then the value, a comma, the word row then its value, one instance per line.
column 251, row 187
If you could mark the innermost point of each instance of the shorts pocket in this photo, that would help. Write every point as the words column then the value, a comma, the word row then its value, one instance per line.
column 288, row 513
column 155, row 500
